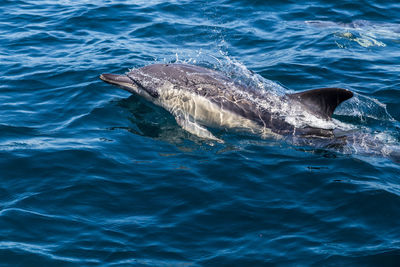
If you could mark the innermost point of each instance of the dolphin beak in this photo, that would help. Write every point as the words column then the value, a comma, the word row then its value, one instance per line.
column 116, row 79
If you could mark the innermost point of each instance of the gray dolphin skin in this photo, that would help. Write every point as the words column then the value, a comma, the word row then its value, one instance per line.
column 199, row 97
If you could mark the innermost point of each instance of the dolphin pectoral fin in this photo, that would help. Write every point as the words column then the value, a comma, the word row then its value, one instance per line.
column 196, row 129
column 322, row 102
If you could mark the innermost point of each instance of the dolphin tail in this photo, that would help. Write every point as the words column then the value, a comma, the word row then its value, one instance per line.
column 323, row 101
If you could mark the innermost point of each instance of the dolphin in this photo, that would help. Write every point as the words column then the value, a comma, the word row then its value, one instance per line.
column 199, row 97
column 365, row 33
column 381, row 28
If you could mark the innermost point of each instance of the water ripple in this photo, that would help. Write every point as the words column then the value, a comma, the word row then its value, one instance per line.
column 91, row 175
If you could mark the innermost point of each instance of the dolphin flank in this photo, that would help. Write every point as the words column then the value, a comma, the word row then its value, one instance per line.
column 199, row 97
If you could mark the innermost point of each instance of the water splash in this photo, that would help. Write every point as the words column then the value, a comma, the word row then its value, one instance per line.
column 364, row 107
column 364, row 33
column 363, row 40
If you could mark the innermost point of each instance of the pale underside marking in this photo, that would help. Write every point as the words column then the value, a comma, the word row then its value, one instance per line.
column 192, row 111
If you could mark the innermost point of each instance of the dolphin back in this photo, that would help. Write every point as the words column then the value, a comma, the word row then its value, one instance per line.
column 323, row 101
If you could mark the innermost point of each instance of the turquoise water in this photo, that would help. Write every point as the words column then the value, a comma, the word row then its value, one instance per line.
column 91, row 175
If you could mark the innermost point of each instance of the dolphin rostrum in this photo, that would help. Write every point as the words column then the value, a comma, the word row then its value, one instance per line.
column 199, row 97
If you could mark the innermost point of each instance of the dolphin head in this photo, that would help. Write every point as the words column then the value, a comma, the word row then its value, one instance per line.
column 130, row 84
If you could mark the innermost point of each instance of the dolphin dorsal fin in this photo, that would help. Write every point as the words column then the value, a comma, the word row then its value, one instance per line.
column 323, row 101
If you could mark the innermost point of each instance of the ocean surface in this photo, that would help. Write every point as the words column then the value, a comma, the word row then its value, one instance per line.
column 91, row 175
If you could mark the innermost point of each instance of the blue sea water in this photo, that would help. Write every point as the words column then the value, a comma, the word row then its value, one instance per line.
column 91, row 175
